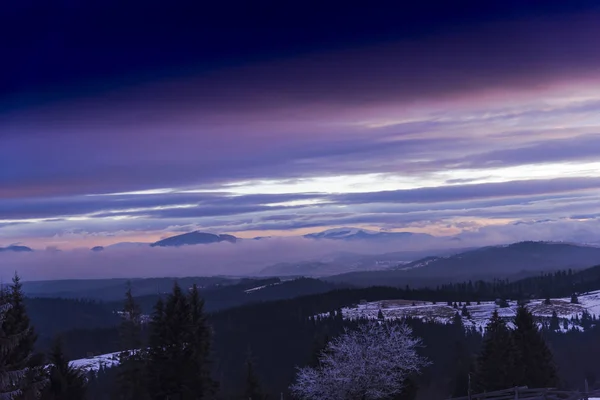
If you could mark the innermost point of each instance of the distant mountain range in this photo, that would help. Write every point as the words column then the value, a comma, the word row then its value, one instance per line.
column 348, row 233
column 17, row 249
column 515, row 260
column 192, row 238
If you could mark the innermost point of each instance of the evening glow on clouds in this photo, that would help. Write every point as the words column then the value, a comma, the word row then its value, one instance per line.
column 488, row 131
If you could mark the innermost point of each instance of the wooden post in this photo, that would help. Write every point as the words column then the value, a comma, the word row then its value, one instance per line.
column 469, row 387
column 585, row 395
column 516, row 393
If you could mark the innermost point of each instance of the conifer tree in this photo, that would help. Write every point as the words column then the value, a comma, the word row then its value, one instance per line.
column 465, row 312
column 380, row 315
column 535, row 364
column 131, row 383
column 554, row 322
column 464, row 366
column 200, row 339
column 20, row 356
column 319, row 345
column 496, row 362
column 574, row 299
column 457, row 321
column 178, row 359
column 173, row 348
column 252, row 387
column 157, row 352
column 12, row 378
column 65, row 382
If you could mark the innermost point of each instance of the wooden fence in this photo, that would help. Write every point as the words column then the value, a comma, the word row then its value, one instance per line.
column 524, row 393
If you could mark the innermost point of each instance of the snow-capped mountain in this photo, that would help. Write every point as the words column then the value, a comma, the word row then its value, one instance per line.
column 349, row 233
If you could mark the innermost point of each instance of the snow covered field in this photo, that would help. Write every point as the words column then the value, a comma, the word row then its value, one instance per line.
column 479, row 314
column 96, row 362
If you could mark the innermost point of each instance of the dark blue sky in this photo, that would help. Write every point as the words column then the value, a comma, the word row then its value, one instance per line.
column 49, row 43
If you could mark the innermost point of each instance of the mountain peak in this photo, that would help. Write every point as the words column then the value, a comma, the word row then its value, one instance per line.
column 16, row 249
column 349, row 233
column 192, row 238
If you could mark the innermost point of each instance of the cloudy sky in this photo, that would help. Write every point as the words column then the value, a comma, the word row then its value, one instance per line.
column 136, row 122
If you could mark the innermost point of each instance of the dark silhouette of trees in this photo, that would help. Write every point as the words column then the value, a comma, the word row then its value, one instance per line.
column 65, row 382
column 497, row 360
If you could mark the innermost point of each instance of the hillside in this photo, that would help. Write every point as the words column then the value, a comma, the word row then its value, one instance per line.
column 514, row 261
column 219, row 297
column 479, row 314
column 113, row 289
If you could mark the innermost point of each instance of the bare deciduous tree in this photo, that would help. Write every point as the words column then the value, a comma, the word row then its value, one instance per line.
column 372, row 362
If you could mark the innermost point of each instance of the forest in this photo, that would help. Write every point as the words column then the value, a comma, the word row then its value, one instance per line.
column 257, row 348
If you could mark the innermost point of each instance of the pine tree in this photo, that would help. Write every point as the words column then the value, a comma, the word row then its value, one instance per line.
column 12, row 378
column 465, row 312
column 574, row 299
column 319, row 345
column 178, row 358
column 157, row 352
column 20, row 356
column 535, row 364
column 252, row 388
column 65, row 382
column 380, row 315
column 463, row 366
column 199, row 339
column 547, row 302
column 131, row 383
column 497, row 360
column 457, row 321
column 554, row 322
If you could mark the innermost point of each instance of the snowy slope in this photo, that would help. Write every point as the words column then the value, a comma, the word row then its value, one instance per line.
column 479, row 314
column 96, row 362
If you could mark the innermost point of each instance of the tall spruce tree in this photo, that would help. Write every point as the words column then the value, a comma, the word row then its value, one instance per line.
column 131, row 382
column 497, row 360
column 20, row 356
column 12, row 378
column 200, row 339
column 178, row 358
column 535, row 364
column 252, row 386
column 554, row 322
column 65, row 382
column 157, row 352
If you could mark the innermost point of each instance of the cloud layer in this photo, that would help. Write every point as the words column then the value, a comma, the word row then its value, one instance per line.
column 489, row 132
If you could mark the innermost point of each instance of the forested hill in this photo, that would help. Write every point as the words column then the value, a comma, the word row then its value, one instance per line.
column 514, row 261
column 303, row 297
column 284, row 333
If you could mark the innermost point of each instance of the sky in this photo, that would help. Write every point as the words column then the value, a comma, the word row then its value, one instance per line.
column 131, row 123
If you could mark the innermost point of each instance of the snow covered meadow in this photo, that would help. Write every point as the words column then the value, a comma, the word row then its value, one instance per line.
column 97, row 362
column 479, row 314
